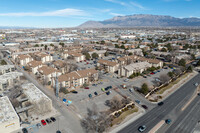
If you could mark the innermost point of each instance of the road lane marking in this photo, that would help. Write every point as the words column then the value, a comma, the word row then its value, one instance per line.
column 157, row 126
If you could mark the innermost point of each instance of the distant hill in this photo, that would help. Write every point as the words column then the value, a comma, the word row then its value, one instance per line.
column 143, row 20
column 15, row 27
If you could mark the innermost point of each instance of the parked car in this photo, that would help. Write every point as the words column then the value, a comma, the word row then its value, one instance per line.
column 131, row 90
column 168, row 121
column 106, row 88
column 144, row 106
column 110, row 87
column 38, row 125
column 144, row 76
column 24, row 130
column 43, row 122
column 102, row 89
column 160, row 103
column 95, row 93
column 142, row 128
column 48, row 121
column 151, row 73
column 75, row 92
column 108, row 93
column 53, row 119
column 90, row 95
column 137, row 101
column 198, row 94
column 87, row 88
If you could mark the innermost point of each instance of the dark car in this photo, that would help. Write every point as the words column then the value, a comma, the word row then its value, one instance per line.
column 24, row 130
column 144, row 106
column 95, row 93
column 48, row 120
column 141, row 128
column 53, row 119
column 75, row 92
column 160, row 103
column 90, row 95
column 198, row 94
column 168, row 121
column 108, row 93
column 110, row 87
column 107, row 88
column 58, row 131
column 137, row 101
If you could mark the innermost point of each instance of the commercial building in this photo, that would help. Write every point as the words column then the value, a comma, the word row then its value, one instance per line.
column 9, row 120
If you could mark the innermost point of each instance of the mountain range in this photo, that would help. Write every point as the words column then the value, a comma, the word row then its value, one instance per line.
column 143, row 20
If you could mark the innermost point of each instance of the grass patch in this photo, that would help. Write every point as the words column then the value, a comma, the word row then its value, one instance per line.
column 124, row 115
column 162, row 90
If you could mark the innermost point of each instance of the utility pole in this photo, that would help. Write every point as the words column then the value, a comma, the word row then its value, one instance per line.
column 57, row 87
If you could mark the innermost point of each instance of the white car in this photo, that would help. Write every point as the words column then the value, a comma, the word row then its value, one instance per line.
column 196, row 84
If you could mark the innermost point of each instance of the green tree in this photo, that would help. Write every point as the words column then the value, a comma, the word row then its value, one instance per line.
column 116, row 46
column 170, row 74
column 36, row 45
column 164, row 50
column 189, row 69
column 144, row 88
column 182, row 62
column 42, row 45
column 45, row 47
column 62, row 44
column 87, row 55
column 51, row 45
column 3, row 62
column 130, row 54
column 169, row 47
column 102, row 42
column 106, row 54
column 123, row 47
column 95, row 55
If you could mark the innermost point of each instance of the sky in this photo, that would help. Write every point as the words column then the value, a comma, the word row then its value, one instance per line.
column 70, row 13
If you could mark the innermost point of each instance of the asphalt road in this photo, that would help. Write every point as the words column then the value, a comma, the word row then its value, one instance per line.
column 172, row 104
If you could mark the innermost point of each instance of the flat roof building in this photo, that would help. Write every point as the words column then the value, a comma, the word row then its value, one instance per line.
column 9, row 120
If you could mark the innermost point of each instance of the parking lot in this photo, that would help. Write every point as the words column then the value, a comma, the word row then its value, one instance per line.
column 81, row 101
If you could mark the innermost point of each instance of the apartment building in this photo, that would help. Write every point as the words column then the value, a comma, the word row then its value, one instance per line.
column 138, row 67
column 99, row 52
column 108, row 66
column 9, row 120
column 43, row 57
column 48, row 73
column 8, row 79
column 23, row 59
column 6, row 69
column 35, row 65
column 77, row 56
column 60, row 65
column 78, row 78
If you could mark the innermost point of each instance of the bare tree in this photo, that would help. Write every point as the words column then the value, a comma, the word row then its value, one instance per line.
column 164, row 78
column 177, row 71
column 95, row 121
column 114, row 104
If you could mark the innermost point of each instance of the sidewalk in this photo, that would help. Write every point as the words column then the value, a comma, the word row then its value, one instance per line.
column 128, row 120
column 174, row 88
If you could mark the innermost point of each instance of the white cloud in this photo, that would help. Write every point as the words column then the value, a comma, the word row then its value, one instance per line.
column 137, row 5
column 62, row 13
column 117, row 2
column 129, row 4
column 116, row 14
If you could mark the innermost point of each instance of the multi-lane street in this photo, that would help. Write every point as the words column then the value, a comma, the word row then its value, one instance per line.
column 172, row 107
